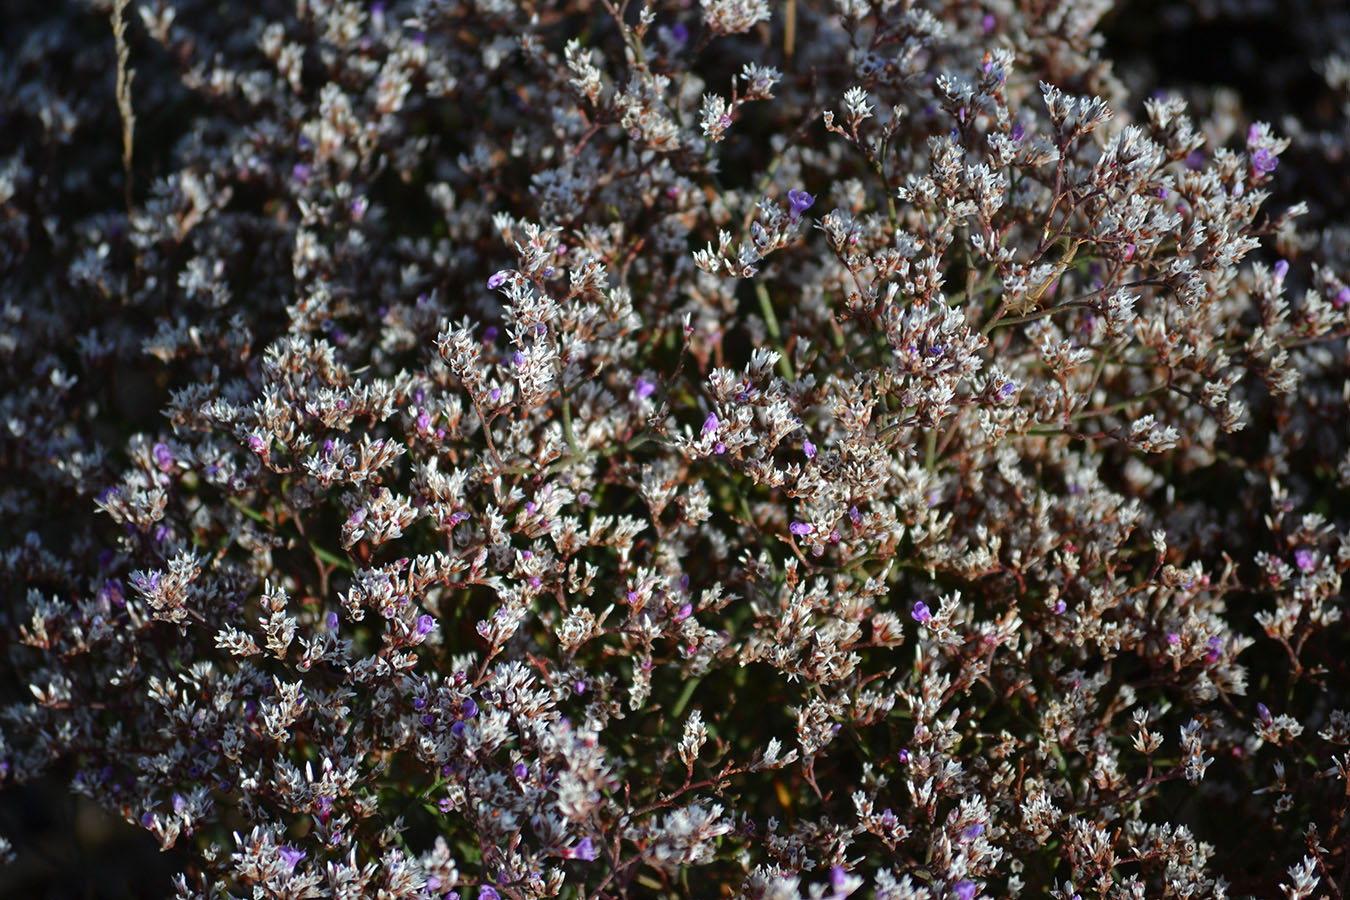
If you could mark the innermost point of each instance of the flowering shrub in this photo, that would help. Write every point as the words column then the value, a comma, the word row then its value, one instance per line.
column 509, row 450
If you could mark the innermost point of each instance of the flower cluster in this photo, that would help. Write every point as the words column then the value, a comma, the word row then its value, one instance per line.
column 493, row 450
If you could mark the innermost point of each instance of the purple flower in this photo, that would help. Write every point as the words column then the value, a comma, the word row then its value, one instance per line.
column 719, row 448
column 489, row 334
column 457, row 729
column 854, row 516
column 163, row 457
column 521, row 771
column 1007, row 390
column 1342, row 298
column 1018, row 132
column 301, row 172
column 971, row 832
column 809, row 449
column 1173, row 638
column 419, row 702
column 801, row 528
column 579, row 687
column 470, row 708
column 679, row 33
column 710, row 424
column 488, row 892
column 988, row 22
column 1303, row 558
column 324, row 804
column 518, row 358
column 1215, row 645
column 497, row 279
column 838, row 878
column 921, row 613
column 332, row 621
column 1264, row 712
column 1263, row 161
column 683, row 612
column 800, row 201
column 964, row 889
column 642, row 388
column 256, row 443
column 424, row 624
column 1281, row 270
column 584, row 850
column 290, row 857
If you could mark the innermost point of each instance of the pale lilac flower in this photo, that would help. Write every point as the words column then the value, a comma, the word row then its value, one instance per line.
column 801, row 528
column 965, row 890
column 710, row 424
column 809, row 449
column 425, row 624
column 642, row 388
column 497, row 279
column 921, row 613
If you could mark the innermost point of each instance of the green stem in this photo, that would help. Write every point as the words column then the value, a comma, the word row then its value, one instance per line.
column 771, row 320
